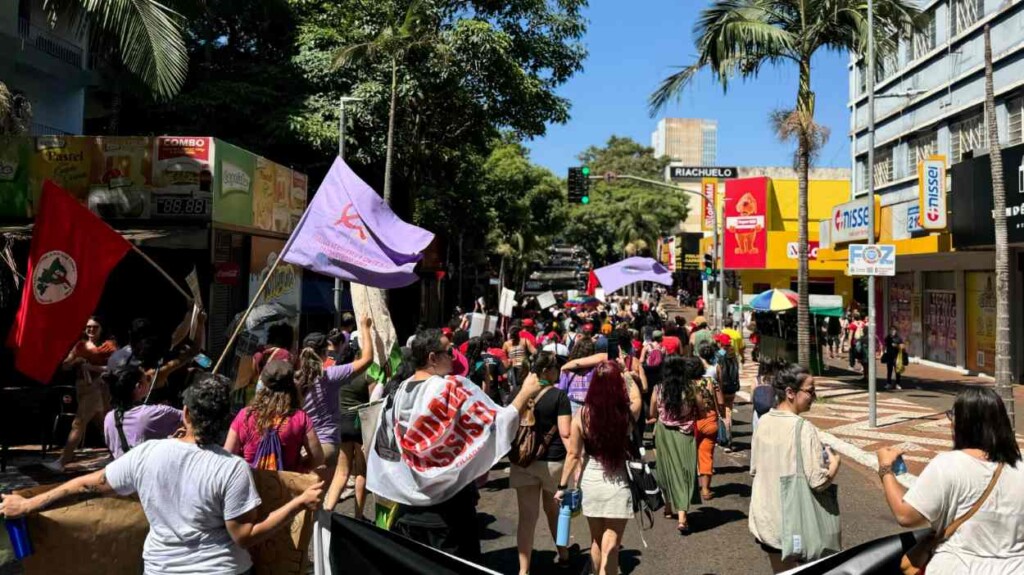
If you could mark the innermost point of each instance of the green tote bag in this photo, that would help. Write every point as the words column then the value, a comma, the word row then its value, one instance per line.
column 810, row 519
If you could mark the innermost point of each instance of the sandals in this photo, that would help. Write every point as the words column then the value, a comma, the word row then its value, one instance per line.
column 683, row 529
column 707, row 495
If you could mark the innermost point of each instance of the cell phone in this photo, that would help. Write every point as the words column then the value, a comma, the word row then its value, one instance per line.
column 899, row 467
column 203, row 361
column 613, row 348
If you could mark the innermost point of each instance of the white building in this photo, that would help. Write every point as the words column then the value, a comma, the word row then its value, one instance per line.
column 691, row 141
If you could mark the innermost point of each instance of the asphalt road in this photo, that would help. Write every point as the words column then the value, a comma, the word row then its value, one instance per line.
column 721, row 542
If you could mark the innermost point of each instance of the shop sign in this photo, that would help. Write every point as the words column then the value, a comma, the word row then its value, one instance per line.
column 872, row 260
column 793, row 250
column 708, row 202
column 850, row 221
column 971, row 195
column 746, row 213
column 931, row 181
column 698, row 172
column 906, row 221
column 227, row 273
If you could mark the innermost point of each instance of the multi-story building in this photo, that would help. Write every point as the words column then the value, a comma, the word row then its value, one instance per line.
column 48, row 64
column 929, row 100
column 693, row 142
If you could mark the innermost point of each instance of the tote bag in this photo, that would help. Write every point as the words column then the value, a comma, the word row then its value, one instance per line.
column 810, row 519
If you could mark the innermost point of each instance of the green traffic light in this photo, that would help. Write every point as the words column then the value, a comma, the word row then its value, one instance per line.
column 586, row 172
column 585, row 200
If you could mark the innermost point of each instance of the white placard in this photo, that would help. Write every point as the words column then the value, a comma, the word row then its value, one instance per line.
column 872, row 260
column 479, row 323
column 599, row 294
column 506, row 302
column 546, row 300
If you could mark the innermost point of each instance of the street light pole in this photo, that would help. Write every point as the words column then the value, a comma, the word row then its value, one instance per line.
column 341, row 154
column 870, row 364
column 714, row 214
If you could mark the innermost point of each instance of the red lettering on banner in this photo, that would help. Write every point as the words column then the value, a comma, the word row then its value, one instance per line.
column 485, row 414
column 470, row 427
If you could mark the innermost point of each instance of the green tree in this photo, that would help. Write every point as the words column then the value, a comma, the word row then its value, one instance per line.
column 622, row 212
column 145, row 35
column 737, row 38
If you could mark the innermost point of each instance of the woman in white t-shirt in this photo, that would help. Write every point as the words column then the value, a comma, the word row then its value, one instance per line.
column 991, row 541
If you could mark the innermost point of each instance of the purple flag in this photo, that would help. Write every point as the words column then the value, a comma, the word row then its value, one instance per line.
column 631, row 270
column 348, row 232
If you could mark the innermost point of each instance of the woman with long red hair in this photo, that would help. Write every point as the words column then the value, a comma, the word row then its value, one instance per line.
column 601, row 429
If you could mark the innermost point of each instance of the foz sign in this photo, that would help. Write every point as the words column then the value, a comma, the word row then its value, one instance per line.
column 931, row 181
column 850, row 221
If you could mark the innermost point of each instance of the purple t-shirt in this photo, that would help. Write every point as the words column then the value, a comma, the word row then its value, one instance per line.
column 321, row 403
column 141, row 423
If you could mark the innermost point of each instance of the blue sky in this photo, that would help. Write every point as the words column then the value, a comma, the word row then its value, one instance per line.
column 633, row 45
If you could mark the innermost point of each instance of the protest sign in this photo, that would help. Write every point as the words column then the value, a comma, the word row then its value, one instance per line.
column 507, row 302
column 546, row 300
column 92, row 535
column 479, row 323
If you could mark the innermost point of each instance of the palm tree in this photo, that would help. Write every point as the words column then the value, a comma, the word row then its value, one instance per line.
column 391, row 44
column 638, row 225
column 146, row 35
column 1003, row 384
column 737, row 38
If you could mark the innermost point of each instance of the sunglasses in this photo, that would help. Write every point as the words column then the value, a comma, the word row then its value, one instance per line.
column 92, row 327
column 810, row 392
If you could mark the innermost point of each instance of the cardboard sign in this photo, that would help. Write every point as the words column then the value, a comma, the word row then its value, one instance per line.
column 479, row 323
column 506, row 302
column 546, row 300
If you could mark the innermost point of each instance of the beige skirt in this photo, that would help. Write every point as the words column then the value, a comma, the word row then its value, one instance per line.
column 605, row 495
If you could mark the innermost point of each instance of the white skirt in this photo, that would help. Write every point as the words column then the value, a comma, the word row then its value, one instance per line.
column 605, row 495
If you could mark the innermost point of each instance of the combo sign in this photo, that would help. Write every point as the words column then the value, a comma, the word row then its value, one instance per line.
column 931, row 182
column 851, row 221
column 872, row 260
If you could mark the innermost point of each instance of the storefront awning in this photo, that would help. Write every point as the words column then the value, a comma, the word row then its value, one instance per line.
column 166, row 237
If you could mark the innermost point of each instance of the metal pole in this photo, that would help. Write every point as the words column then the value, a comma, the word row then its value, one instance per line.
column 720, row 273
column 872, row 384
column 341, row 154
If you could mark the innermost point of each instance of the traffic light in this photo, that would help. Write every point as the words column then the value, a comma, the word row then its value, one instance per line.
column 579, row 185
column 709, row 267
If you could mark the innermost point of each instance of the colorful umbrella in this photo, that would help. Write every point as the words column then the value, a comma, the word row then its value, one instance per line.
column 775, row 300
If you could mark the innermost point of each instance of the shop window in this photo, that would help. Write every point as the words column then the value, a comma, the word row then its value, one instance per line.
column 967, row 135
column 924, row 40
column 918, row 150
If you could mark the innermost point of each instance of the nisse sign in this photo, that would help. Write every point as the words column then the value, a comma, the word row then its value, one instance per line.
column 850, row 221
column 698, row 172
column 931, row 181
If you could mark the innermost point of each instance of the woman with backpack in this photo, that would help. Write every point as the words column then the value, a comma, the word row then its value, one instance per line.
column 536, row 482
column 273, row 430
column 576, row 374
column 674, row 409
column 601, row 430
column 728, row 374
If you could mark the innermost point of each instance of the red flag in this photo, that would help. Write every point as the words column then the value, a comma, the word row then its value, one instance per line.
column 73, row 252
column 592, row 283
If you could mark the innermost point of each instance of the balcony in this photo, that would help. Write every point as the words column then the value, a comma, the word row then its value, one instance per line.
column 48, row 43
column 43, row 130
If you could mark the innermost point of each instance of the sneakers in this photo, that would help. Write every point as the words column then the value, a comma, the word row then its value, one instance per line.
column 55, row 466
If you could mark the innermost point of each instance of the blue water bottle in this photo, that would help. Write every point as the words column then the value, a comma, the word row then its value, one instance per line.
column 899, row 467
column 565, row 518
column 17, row 530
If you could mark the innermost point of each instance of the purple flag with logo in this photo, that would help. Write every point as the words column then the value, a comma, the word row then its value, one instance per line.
column 348, row 232
column 631, row 270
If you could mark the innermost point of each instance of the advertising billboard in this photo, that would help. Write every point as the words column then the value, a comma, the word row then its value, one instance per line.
column 849, row 221
column 931, row 181
column 235, row 179
column 709, row 199
column 745, row 211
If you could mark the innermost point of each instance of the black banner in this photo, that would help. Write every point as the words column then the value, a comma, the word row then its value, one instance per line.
column 971, row 199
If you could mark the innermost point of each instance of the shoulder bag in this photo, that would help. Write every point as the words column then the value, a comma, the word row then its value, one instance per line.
column 915, row 560
column 810, row 519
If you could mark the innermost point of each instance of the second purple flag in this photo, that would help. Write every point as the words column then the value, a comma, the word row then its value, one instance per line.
column 348, row 232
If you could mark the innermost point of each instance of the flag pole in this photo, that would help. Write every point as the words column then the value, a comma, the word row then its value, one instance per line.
column 248, row 310
column 187, row 295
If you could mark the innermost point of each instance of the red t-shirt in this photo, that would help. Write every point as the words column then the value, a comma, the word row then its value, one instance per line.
column 498, row 354
column 292, row 433
column 464, row 347
column 528, row 337
column 671, row 344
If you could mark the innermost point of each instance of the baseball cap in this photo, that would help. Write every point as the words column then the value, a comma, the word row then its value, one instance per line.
column 527, row 322
column 278, row 376
column 700, row 320
column 723, row 339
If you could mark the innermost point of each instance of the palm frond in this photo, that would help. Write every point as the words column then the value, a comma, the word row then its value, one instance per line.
column 671, row 88
column 149, row 37
column 353, row 53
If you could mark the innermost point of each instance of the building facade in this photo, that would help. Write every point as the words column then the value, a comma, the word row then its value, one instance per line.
column 694, row 142
column 47, row 64
column 929, row 100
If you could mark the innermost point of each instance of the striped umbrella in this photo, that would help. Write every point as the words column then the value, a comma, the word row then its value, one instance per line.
column 775, row 300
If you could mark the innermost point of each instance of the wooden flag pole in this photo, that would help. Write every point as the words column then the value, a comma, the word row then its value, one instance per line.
column 248, row 310
column 187, row 295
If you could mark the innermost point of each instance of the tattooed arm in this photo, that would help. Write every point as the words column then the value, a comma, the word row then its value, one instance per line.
column 16, row 505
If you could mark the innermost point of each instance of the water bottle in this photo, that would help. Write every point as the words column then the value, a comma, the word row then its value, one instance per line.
column 899, row 467
column 17, row 530
column 564, row 519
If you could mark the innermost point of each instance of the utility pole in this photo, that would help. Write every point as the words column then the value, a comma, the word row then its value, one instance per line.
column 871, row 367
column 714, row 212
column 341, row 154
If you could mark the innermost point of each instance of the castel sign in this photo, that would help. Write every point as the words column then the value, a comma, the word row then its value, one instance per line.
column 850, row 221
column 931, row 181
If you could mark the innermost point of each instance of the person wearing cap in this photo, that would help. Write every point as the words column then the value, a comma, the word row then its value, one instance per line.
column 527, row 331
column 700, row 334
column 276, row 408
column 727, row 372
column 319, row 387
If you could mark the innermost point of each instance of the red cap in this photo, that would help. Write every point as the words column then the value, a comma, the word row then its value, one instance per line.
column 446, row 331
column 527, row 322
column 723, row 339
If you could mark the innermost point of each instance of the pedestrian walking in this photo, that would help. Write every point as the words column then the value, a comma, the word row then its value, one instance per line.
column 835, row 331
column 601, row 428
column 710, row 408
column 537, row 483
column 272, row 432
column 894, row 357
column 200, row 501
column 773, row 456
column 727, row 373
column 578, row 372
column 699, row 334
column 972, row 497
column 518, row 349
column 319, row 387
column 132, row 422
column 674, row 415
